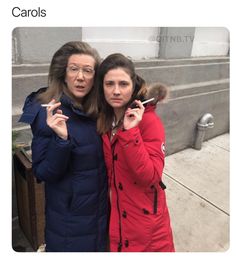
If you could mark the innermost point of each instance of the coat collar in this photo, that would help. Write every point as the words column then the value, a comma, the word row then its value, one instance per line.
column 66, row 101
column 106, row 136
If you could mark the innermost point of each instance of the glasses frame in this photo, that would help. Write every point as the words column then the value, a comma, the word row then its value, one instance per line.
column 86, row 71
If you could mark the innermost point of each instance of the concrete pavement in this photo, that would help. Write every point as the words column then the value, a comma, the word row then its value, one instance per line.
column 198, row 196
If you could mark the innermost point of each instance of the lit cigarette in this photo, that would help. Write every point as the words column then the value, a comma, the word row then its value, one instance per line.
column 148, row 100
column 47, row 105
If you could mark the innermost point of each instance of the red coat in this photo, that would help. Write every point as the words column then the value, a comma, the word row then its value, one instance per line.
column 139, row 218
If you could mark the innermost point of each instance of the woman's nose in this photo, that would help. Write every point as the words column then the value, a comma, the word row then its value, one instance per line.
column 116, row 90
column 80, row 75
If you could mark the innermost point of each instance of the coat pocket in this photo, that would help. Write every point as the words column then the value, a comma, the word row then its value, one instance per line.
column 154, row 189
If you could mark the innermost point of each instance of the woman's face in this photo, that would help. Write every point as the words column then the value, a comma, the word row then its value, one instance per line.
column 118, row 88
column 80, row 75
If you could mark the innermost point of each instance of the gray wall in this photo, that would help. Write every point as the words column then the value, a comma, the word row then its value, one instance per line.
column 197, row 86
column 38, row 44
column 176, row 42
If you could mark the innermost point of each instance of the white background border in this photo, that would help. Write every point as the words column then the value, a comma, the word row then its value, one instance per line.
column 106, row 13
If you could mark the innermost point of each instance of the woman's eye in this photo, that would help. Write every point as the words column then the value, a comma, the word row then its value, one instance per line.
column 73, row 68
column 124, row 84
column 109, row 83
column 88, row 70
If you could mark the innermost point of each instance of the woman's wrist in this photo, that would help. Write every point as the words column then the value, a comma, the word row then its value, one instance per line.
column 63, row 137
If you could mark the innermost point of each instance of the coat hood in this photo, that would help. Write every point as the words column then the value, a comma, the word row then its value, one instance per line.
column 158, row 91
column 31, row 107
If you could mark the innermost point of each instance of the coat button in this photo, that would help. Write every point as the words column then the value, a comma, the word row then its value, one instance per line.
column 120, row 186
column 126, row 243
column 145, row 211
column 124, row 214
column 119, row 247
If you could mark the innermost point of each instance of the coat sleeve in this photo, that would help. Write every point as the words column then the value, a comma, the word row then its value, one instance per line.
column 50, row 157
column 50, row 154
column 143, row 149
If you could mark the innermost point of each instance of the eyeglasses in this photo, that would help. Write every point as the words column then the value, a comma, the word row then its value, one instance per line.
column 87, row 71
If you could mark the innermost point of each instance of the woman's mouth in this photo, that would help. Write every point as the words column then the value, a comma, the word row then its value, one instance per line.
column 116, row 100
column 79, row 87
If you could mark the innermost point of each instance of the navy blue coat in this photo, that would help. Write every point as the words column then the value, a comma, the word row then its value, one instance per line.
column 75, row 179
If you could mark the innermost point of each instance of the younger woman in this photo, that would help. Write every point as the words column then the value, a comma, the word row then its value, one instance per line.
column 133, row 143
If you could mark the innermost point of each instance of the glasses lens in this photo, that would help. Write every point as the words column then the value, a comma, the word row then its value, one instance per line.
column 87, row 72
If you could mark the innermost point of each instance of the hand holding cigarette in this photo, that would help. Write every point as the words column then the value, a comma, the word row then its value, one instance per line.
column 133, row 115
column 56, row 121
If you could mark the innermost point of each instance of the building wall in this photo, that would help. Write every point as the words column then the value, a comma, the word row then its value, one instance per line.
column 136, row 42
column 210, row 41
column 176, row 42
column 38, row 44
column 193, row 61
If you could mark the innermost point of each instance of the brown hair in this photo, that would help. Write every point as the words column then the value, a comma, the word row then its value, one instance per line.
column 57, row 74
column 113, row 61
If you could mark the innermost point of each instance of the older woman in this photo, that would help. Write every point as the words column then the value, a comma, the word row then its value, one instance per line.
column 67, row 152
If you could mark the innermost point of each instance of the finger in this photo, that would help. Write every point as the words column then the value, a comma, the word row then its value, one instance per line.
column 55, row 123
column 53, row 107
column 135, row 109
column 131, row 113
column 59, row 111
column 51, row 119
column 52, row 101
column 139, row 104
column 59, row 120
column 55, row 116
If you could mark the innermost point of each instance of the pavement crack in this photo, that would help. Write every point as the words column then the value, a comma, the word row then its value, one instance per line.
column 192, row 191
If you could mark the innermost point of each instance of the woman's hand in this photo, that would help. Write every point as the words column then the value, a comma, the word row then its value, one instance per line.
column 133, row 116
column 57, row 121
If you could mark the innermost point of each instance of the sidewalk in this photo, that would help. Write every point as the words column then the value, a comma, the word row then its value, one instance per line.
column 197, row 195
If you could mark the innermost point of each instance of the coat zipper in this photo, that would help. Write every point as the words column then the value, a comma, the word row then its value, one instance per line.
column 117, row 196
column 163, row 186
column 154, row 199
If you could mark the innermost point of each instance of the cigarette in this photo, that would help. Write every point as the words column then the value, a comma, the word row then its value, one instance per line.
column 47, row 105
column 134, row 105
column 148, row 100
